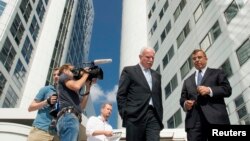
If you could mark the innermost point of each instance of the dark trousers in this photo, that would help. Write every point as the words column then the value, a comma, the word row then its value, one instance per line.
column 200, row 130
column 147, row 130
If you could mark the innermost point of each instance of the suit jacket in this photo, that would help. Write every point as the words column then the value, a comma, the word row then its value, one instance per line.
column 134, row 94
column 213, row 108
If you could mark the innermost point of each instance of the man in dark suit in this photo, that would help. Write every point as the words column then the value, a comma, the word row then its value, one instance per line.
column 139, row 99
column 202, row 98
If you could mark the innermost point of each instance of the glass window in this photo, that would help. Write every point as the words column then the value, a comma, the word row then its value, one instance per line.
column 198, row 12
column 174, row 82
column 186, row 29
column 170, row 122
column 178, row 119
column 11, row 98
column 7, row 54
column 167, row 90
column 2, row 6
column 154, row 27
column 165, row 6
column 163, row 35
column 40, row 10
column 177, row 12
column 151, row 11
column 226, row 67
column 153, row 7
column 205, row 43
column 239, row 101
column 186, row 67
column 206, row 3
column 242, row 112
column 184, row 33
column 245, row 120
column 211, row 37
column 149, row 15
column 175, row 120
column 243, row 52
column 26, row 9
column 165, row 31
column 179, row 9
column 168, row 56
column 27, row 50
column 171, row 86
column 200, row 9
column 34, row 28
column 240, row 107
column 168, row 27
column 2, row 83
column 156, row 46
column 19, row 75
column 161, row 13
column 182, row 4
column 215, row 31
column 233, row 9
column 180, row 39
column 17, row 29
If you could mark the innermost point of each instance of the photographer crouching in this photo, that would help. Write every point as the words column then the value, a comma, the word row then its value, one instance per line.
column 71, row 81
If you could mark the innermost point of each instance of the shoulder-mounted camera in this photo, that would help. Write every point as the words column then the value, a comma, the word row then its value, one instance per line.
column 95, row 72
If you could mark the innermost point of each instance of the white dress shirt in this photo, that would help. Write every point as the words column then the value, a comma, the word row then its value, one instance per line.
column 147, row 74
column 97, row 123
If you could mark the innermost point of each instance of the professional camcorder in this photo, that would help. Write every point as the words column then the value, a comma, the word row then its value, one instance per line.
column 94, row 70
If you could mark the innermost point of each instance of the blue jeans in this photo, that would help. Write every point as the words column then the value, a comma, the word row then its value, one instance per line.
column 68, row 127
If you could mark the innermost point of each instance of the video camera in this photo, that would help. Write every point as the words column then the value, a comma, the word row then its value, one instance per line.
column 95, row 71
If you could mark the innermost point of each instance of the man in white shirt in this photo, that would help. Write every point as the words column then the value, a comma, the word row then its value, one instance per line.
column 98, row 128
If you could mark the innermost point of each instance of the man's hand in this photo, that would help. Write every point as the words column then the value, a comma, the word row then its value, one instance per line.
column 108, row 133
column 188, row 104
column 52, row 99
column 203, row 90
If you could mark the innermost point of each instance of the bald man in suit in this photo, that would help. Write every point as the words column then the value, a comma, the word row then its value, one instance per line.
column 202, row 98
column 139, row 99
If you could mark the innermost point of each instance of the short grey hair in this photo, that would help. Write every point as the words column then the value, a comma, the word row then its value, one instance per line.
column 146, row 48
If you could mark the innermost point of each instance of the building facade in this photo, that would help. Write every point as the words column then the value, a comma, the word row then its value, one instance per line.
column 35, row 37
column 175, row 28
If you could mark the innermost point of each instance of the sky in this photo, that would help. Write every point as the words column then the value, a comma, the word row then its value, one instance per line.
column 105, row 44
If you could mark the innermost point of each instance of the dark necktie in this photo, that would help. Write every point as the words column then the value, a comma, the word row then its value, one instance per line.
column 199, row 78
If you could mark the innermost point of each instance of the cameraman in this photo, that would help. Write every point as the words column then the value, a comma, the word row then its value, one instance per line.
column 69, row 116
column 42, row 103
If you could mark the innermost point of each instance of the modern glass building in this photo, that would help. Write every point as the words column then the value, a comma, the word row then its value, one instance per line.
column 174, row 28
column 35, row 37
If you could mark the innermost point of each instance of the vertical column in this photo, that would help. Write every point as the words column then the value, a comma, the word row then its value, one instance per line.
column 134, row 31
column 133, row 34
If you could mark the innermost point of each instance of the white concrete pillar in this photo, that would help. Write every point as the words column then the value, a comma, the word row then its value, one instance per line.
column 133, row 34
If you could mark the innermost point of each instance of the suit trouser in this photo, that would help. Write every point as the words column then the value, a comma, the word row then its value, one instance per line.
column 148, row 129
column 201, row 128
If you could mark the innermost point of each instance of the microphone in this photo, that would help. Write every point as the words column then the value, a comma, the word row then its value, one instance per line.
column 101, row 61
